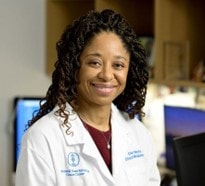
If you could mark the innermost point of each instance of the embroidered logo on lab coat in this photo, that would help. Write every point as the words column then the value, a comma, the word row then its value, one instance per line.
column 73, row 159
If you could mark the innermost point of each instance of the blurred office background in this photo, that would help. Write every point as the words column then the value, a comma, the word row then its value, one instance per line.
column 22, row 67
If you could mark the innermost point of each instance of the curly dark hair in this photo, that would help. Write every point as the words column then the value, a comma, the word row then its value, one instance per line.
column 69, row 48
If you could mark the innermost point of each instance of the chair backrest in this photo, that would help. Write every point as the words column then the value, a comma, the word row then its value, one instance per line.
column 189, row 155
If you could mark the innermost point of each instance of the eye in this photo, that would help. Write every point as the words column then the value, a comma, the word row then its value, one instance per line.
column 94, row 63
column 118, row 65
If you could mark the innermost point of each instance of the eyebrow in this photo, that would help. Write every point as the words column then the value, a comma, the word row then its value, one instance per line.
column 99, row 55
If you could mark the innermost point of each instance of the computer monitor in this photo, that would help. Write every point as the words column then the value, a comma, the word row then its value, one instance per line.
column 180, row 121
column 25, row 108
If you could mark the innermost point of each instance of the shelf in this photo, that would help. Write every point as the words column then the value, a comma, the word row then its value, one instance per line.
column 182, row 83
column 140, row 14
column 59, row 14
column 167, row 21
column 179, row 22
column 62, row 12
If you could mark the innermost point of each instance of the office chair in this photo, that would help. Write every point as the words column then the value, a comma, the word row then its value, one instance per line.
column 189, row 155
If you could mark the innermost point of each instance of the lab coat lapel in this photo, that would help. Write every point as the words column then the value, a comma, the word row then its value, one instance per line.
column 120, row 140
column 81, row 137
column 91, row 150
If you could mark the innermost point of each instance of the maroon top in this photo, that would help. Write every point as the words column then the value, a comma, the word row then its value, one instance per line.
column 101, row 139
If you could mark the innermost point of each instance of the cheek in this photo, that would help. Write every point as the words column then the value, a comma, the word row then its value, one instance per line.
column 85, row 75
column 123, row 77
column 82, row 74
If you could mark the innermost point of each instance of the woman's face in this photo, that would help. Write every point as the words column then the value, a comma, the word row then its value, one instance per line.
column 104, row 69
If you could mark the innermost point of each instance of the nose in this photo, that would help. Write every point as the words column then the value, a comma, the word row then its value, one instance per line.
column 106, row 73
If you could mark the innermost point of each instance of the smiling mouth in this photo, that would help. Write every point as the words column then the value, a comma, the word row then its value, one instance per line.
column 103, row 88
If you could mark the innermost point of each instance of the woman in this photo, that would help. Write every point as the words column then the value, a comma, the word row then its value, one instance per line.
column 85, row 132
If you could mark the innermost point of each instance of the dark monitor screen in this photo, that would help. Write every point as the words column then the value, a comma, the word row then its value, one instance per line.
column 180, row 121
column 25, row 107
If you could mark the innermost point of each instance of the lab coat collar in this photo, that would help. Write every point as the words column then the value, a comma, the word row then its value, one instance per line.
column 81, row 137
column 120, row 137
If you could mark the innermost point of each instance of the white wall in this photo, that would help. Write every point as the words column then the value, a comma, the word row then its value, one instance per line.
column 22, row 66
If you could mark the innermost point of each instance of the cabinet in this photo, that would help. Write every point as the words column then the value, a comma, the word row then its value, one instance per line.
column 171, row 23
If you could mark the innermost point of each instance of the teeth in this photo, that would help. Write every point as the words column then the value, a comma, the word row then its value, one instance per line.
column 100, row 86
column 104, row 88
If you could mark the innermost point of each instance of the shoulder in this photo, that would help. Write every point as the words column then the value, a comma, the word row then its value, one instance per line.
column 44, row 124
column 42, row 131
column 134, row 123
column 133, row 126
column 47, row 130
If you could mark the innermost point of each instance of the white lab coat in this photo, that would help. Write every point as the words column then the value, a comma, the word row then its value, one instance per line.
column 50, row 157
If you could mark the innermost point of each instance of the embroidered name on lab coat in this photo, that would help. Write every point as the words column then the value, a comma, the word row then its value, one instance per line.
column 75, row 172
column 133, row 155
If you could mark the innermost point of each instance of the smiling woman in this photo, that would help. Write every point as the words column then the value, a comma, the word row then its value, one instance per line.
column 85, row 132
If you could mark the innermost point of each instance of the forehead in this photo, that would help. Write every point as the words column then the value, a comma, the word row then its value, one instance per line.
column 106, row 38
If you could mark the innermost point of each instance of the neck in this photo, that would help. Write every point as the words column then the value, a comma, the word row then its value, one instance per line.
column 97, row 117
